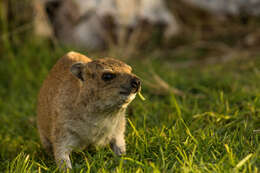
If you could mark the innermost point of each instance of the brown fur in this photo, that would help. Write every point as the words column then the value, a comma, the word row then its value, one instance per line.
column 78, row 108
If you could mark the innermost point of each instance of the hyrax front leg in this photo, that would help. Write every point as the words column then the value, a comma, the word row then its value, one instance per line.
column 62, row 148
column 118, row 142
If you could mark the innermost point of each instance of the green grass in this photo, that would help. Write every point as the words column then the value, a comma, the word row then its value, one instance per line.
column 210, row 129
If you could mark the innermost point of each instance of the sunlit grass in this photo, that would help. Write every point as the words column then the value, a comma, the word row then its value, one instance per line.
column 209, row 129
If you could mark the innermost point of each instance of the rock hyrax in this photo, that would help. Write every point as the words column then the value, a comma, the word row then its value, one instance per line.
column 82, row 102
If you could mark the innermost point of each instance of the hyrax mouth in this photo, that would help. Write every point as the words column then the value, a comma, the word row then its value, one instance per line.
column 126, row 93
column 133, row 88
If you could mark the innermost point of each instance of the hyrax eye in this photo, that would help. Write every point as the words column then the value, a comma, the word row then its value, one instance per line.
column 108, row 76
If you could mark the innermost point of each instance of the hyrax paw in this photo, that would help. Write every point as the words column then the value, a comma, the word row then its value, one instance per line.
column 118, row 150
column 64, row 165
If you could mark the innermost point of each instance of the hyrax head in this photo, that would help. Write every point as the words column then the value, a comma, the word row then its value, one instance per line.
column 106, row 83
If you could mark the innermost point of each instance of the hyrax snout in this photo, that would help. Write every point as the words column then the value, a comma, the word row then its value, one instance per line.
column 82, row 102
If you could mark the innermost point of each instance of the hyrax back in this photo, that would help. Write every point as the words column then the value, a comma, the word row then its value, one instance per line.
column 82, row 102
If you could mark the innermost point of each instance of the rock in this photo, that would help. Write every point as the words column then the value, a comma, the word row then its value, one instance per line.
column 228, row 7
column 89, row 23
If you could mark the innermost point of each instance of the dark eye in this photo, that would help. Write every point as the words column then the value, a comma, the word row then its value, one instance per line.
column 108, row 76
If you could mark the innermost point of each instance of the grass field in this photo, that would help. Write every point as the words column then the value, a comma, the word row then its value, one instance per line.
column 209, row 129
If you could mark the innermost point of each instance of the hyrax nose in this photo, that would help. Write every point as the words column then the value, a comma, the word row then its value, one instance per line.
column 135, row 84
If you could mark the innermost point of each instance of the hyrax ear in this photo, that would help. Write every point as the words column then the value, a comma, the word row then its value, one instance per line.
column 77, row 70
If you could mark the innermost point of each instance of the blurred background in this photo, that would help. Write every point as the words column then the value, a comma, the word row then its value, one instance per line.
column 199, row 62
column 183, row 33
column 213, row 28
